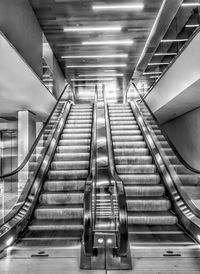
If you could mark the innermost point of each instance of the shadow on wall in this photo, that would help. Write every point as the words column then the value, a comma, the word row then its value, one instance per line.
column 184, row 132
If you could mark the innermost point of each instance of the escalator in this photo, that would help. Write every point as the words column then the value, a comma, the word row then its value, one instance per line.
column 58, row 217
column 151, row 218
column 47, row 218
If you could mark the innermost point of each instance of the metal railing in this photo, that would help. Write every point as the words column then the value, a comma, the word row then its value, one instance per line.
column 16, row 220
column 89, row 193
column 188, row 213
column 122, row 220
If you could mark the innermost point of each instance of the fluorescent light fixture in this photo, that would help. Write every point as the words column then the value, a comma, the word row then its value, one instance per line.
column 47, row 80
column 92, row 29
column 152, row 72
column 95, row 56
column 84, row 86
column 158, row 64
column 173, row 40
column 45, row 66
column 194, row 4
column 49, row 85
column 165, row 54
column 154, row 77
column 98, row 66
column 111, row 42
column 192, row 25
column 99, row 79
column 101, row 75
column 127, row 6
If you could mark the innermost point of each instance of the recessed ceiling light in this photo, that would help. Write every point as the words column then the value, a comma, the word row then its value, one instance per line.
column 173, row 40
column 87, row 79
column 192, row 25
column 101, row 75
column 112, row 42
column 152, row 72
column 95, row 56
column 190, row 4
column 165, row 54
column 127, row 6
column 97, row 66
column 158, row 64
column 92, row 29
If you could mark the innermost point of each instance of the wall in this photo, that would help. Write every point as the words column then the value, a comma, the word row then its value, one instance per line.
column 184, row 132
column 19, row 24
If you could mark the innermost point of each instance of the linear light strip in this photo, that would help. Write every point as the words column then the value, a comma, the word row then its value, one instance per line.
column 127, row 6
column 192, row 25
column 165, row 54
column 158, row 64
column 190, row 4
column 173, row 40
column 86, row 79
column 114, row 42
column 95, row 56
column 92, row 29
column 101, row 75
column 152, row 72
column 97, row 66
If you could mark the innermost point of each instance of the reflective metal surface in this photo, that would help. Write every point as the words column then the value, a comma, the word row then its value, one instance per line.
column 186, row 211
column 32, row 179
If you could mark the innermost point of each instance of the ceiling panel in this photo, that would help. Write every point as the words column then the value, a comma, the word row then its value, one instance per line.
column 54, row 15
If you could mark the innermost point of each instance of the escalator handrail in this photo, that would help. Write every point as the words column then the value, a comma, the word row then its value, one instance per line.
column 21, row 166
column 169, row 169
column 26, row 191
column 88, row 221
column 17, row 221
column 180, row 158
column 121, row 196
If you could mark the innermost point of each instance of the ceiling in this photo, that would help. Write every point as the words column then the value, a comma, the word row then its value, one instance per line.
column 55, row 15
column 146, row 27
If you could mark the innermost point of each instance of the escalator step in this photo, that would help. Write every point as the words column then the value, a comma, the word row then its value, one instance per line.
column 143, row 191
column 129, row 152
column 67, row 174
column 61, row 198
column 136, row 144
column 70, row 156
column 69, row 165
column 144, row 169
column 147, row 204
column 151, row 218
column 73, row 149
column 64, row 185
column 133, row 160
column 142, row 179
column 59, row 212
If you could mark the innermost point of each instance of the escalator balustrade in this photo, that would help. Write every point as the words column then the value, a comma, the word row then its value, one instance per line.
column 189, row 178
column 150, row 216
column 58, row 217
